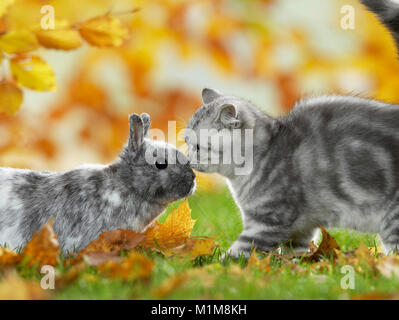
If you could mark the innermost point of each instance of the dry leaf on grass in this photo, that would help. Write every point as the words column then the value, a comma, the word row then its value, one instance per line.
column 193, row 248
column 43, row 248
column 8, row 257
column 261, row 264
column 327, row 247
column 134, row 266
column 173, row 232
column 12, row 287
column 114, row 241
column 170, row 285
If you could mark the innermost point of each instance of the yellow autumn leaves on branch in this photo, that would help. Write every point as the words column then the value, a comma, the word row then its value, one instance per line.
column 30, row 70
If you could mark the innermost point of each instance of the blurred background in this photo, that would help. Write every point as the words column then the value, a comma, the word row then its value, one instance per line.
column 271, row 52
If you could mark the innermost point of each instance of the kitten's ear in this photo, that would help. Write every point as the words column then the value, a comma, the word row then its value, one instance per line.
column 146, row 122
column 208, row 95
column 228, row 116
column 136, row 135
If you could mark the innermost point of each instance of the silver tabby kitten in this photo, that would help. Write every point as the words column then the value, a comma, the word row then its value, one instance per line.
column 333, row 160
column 129, row 193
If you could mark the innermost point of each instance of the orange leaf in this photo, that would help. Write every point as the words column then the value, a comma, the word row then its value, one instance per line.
column 9, row 257
column 135, row 266
column 43, row 248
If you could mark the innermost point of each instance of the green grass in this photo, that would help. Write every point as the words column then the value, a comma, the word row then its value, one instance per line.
column 217, row 214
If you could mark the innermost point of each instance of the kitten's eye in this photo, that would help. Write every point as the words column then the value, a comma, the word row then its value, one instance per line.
column 198, row 147
column 161, row 166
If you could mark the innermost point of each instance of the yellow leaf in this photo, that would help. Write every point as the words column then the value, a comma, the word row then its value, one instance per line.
column 10, row 97
column 43, row 248
column 193, row 248
column 263, row 264
column 18, row 41
column 173, row 232
column 105, row 31
column 64, row 39
column 13, row 287
column 33, row 72
column 4, row 4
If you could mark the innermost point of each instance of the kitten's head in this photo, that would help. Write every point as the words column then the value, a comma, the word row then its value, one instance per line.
column 216, row 133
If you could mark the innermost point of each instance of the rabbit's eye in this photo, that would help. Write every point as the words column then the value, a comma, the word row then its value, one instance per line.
column 161, row 166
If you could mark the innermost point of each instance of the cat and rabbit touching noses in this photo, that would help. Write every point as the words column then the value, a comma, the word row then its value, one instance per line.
column 332, row 161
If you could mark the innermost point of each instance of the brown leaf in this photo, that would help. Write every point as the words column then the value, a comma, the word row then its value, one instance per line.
column 328, row 246
column 43, row 248
column 135, row 266
column 114, row 241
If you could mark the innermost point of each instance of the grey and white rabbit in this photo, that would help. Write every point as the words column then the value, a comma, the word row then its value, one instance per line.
column 129, row 193
column 333, row 160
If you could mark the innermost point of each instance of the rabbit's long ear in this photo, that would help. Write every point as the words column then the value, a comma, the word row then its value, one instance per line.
column 136, row 135
column 147, row 123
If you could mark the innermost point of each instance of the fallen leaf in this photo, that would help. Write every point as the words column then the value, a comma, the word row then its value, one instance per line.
column 261, row 264
column 105, row 31
column 135, row 266
column 96, row 259
column 43, row 248
column 170, row 285
column 173, row 232
column 193, row 248
column 70, row 276
column 328, row 246
column 33, row 72
column 115, row 241
column 10, row 97
column 12, row 287
column 8, row 257
column 62, row 39
column 18, row 41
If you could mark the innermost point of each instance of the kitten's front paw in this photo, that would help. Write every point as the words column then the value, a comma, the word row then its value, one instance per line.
column 235, row 252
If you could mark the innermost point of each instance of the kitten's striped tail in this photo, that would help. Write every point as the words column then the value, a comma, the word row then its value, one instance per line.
column 388, row 13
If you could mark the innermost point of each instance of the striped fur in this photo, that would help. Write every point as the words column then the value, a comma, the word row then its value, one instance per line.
column 333, row 160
